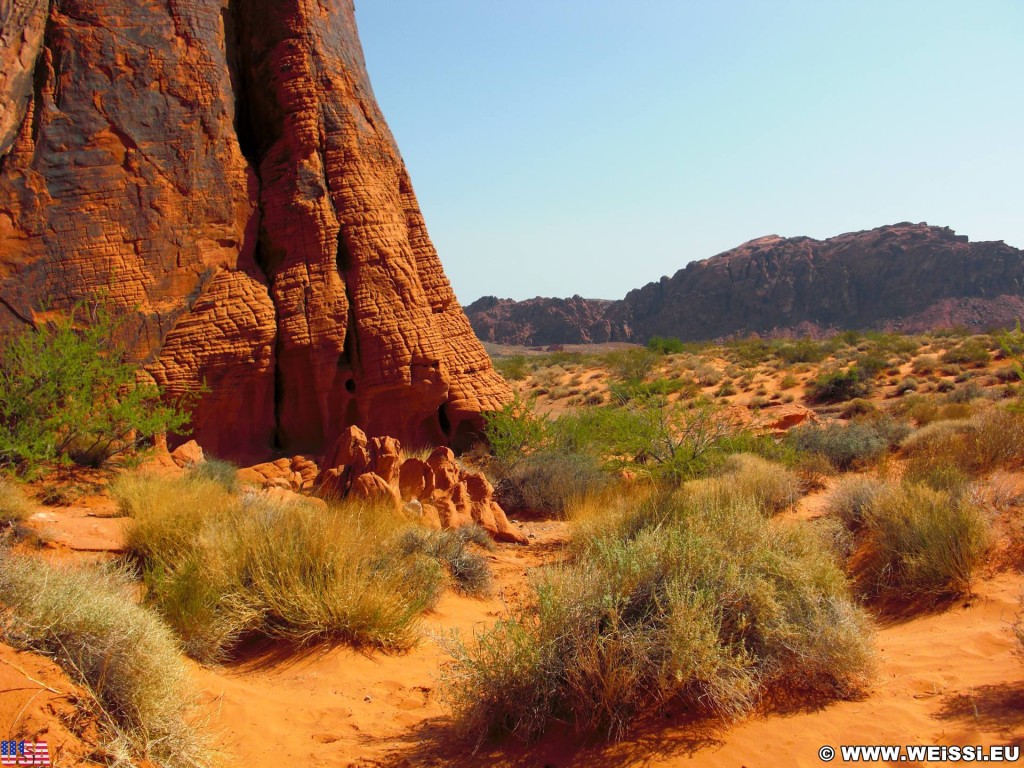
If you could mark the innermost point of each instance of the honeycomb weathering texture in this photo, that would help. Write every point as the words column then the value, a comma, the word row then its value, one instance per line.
column 223, row 172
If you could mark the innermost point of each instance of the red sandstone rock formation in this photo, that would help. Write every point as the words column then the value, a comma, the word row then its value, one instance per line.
column 222, row 171
column 438, row 490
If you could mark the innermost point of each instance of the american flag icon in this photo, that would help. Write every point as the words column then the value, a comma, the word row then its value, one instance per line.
column 24, row 753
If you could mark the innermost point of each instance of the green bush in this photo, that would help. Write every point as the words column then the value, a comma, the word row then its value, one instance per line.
column 922, row 543
column 67, row 391
column 804, row 351
column 631, row 364
column 971, row 352
column 665, row 345
column 513, row 430
column 836, row 386
column 88, row 622
column 869, row 365
column 844, row 445
column 514, row 368
column 713, row 608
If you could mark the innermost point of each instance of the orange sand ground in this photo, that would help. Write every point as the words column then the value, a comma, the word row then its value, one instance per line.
column 946, row 678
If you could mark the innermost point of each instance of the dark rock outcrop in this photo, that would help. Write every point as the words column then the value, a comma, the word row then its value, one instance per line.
column 907, row 277
column 222, row 171
column 542, row 321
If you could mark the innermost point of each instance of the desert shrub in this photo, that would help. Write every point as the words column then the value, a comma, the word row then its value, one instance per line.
column 991, row 439
column 918, row 408
column 631, row 364
column 922, row 543
column 924, row 365
column 707, row 375
column 836, row 386
column 965, row 394
column 870, row 364
column 467, row 568
column 844, row 445
column 14, row 507
column 945, row 386
column 514, row 368
column 67, row 391
column 223, row 472
column 87, row 621
column 714, row 608
column 513, row 430
column 851, row 499
column 623, row 392
column 748, row 351
column 219, row 567
column 662, row 345
column 858, row 407
column 745, row 477
column 1008, row 374
column 789, row 381
column 674, row 442
column 907, row 384
column 725, row 390
column 548, row 481
column 972, row 352
column 804, row 351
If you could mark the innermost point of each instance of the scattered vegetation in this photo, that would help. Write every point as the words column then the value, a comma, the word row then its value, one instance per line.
column 122, row 654
column 707, row 605
column 836, row 386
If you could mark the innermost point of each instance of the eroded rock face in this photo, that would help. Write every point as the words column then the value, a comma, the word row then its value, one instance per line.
column 906, row 277
column 223, row 172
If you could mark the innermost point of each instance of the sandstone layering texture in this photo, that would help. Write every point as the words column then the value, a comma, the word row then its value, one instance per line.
column 222, row 171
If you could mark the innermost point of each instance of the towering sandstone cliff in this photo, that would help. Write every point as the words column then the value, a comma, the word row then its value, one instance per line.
column 221, row 169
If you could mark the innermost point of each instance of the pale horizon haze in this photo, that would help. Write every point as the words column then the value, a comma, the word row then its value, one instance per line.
column 589, row 147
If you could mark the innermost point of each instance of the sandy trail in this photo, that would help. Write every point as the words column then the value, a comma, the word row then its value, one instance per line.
column 945, row 678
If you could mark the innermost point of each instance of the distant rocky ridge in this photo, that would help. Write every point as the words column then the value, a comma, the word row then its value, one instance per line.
column 907, row 277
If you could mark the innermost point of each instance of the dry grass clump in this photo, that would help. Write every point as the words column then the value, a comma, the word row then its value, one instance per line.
column 844, row 445
column 220, row 567
column 14, row 507
column 945, row 454
column 852, row 498
column 87, row 621
column 548, row 481
column 744, row 476
column 710, row 606
column 921, row 543
column 458, row 551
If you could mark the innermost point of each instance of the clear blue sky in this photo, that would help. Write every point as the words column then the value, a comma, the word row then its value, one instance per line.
column 588, row 146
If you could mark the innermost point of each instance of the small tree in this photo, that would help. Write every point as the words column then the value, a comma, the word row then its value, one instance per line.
column 68, row 391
